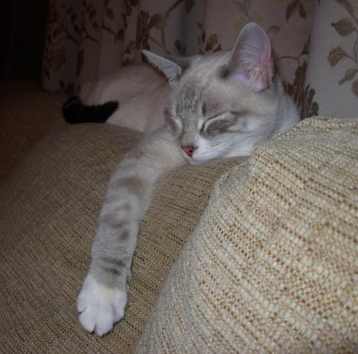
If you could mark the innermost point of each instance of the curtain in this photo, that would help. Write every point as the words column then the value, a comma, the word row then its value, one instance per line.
column 87, row 39
column 333, row 64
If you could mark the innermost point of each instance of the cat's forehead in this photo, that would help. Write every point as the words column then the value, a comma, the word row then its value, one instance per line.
column 204, row 96
column 188, row 97
column 194, row 92
column 202, row 88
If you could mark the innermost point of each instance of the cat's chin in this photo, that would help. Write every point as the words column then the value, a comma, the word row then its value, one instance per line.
column 200, row 159
column 197, row 161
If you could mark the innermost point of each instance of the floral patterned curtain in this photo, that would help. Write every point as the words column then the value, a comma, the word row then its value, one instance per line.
column 333, row 64
column 87, row 39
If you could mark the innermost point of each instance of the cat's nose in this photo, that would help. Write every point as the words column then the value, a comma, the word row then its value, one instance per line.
column 189, row 149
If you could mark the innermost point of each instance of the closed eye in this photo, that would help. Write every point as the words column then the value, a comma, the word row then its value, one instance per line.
column 221, row 123
column 237, row 114
column 217, row 115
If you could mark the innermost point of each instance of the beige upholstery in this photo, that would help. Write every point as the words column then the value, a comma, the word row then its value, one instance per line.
column 26, row 116
column 273, row 265
column 271, row 268
column 48, row 211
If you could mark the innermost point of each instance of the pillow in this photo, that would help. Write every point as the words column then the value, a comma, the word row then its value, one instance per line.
column 272, row 266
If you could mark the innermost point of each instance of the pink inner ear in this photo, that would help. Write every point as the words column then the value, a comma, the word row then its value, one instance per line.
column 253, row 58
column 258, row 77
column 262, row 74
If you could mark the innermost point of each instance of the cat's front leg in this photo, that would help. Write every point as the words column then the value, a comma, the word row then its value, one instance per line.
column 103, row 297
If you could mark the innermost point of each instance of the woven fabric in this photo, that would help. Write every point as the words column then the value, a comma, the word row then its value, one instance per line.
column 27, row 114
column 48, row 212
column 273, row 265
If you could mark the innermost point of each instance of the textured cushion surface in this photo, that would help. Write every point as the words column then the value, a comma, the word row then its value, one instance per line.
column 273, row 265
column 48, row 214
column 27, row 114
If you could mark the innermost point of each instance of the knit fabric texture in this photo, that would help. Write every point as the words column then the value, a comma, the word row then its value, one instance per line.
column 273, row 265
column 48, row 212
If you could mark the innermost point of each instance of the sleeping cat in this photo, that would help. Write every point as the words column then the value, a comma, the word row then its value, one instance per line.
column 220, row 105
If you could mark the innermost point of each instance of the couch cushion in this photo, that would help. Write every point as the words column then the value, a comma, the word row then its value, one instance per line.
column 26, row 115
column 273, row 265
column 48, row 213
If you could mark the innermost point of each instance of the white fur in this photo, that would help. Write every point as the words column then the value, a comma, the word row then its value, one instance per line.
column 209, row 149
column 141, row 93
column 100, row 307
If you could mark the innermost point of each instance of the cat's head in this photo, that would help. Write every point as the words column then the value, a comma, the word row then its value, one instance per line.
column 223, row 104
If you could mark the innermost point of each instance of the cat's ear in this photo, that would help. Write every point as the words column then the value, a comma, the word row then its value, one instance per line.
column 171, row 67
column 251, row 59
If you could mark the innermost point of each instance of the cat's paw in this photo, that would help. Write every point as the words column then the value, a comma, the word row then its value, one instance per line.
column 100, row 307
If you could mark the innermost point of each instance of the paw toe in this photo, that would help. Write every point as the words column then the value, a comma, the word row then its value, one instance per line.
column 100, row 307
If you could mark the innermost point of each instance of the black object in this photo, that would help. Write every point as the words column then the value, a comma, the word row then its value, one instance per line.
column 74, row 111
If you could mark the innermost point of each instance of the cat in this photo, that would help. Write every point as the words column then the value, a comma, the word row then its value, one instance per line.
column 219, row 106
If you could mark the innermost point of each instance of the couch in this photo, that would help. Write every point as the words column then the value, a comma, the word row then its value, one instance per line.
column 239, row 256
